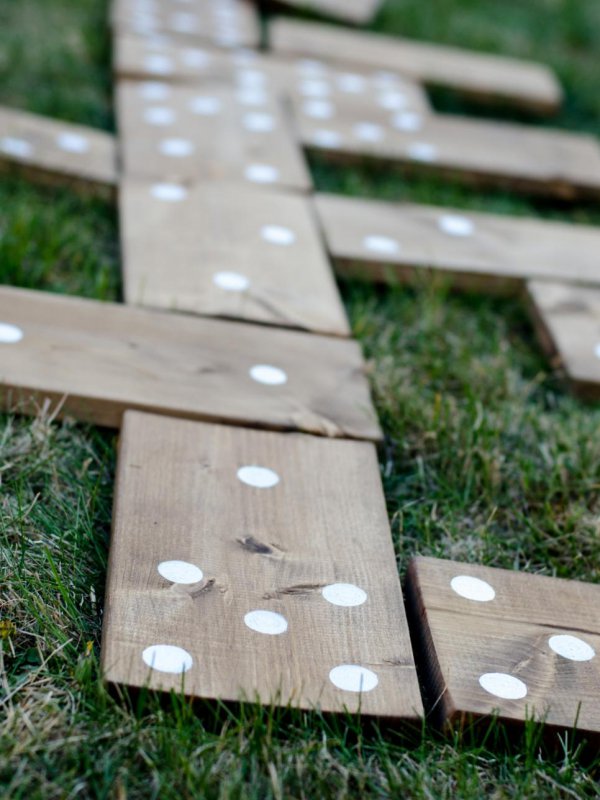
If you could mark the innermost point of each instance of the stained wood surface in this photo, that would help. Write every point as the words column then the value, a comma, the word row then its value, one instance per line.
column 380, row 241
column 178, row 497
column 352, row 11
column 567, row 320
column 175, row 248
column 209, row 134
column 54, row 150
column 463, row 639
column 521, row 157
column 480, row 76
column 106, row 358
column 231, row 24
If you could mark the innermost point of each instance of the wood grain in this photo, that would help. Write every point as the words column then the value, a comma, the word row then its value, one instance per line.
column 567, row 319
column 52, row 150
column 172, row 251
column 474, row 251
column 178, row 497
column 479, row 76
column 106, row 358
column 462, row 639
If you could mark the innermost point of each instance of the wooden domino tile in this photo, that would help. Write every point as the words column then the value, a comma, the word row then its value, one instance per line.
column 521, row 157
column 567, row 319
column 479, row 76
column 495, row 641
column 254, row 565
column 353, row 11
column 226, row 23
column 57, row 151
column 103, row 358
column 207, row 133
column 228, row 250
column 379, row 241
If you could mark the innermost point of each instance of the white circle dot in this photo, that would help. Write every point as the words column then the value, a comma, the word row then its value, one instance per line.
column 159, row 115
column 571, row 647
column 352, row 84
column 10, row 334
column 180, row 571
column 152, row 90
column 472, row 588
column 384, row 245
column 353, row 678
column 176, row 148
column 159, row 64
column 314, row 88
column 268, row 622
column 311, row 67
column 407, row 121
column 277, row 234
column 259, row 477
column 597, row 350
column 258, row 122
column 455, row 225
column 344, row 594
column 195, row 58
column 502, row 685
column 14, row 146
column 368, row 132
column 265, row 373
column 385, row 80
column 422, row 151
column 252, row 97
column 169, row 192
column 231, row 281
column 327, row 138
column 319, row 109
column 73, row 142
column 205, row 105
column 251, row 78
column 261, row 173
column 167, row 658
column 392, row 100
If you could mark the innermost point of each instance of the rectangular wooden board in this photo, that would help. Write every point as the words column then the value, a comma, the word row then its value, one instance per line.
column 206, row 133
column 105, row 358
column 387, row 241
column 52, row 150
column 567, row 320
column 520, row 157
column 479, row 76
column 266, row 556
column 494, row 640
column 355, row 12
column 185, row 247
column 226, row 23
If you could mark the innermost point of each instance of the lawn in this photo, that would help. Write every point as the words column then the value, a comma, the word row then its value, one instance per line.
column 487, row 459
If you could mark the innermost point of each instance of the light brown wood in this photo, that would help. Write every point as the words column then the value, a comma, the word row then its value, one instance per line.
column 178, row 497
column 231, row 24
column 208, row 134
column 463, row 639
column 352, row 11
column 50, row 149
column 106, row 358
column 520, row 157
column 177, row 240
column 388, row 241
column 480, row 76
column 567, row 319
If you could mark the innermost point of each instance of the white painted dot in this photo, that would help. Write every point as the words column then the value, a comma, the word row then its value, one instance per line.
column 13, row 146
column 407, row 121
column 153, row 90
column 473, row 588
column 344, row 594
column 308, row 66
column 268, row 622
column 167, row 658
column 252, row 97
column 278, row 234
column 353, row 678
column 327, row 138
column 251, row 78
column 270, row 376
column 571, row 647
column 319, row 109
column 73, row 142
column 384, row 245
column 159, row 115
column 258, row 122
column 226, row 38
column 205, row 105
column 159, row 64
column 169, row 192
column 597, row 350
column 392, row 100
column 231, row 281
column 261, row 173
column 368, row 132
column 456, row 225
column 502, row 685
column 10, row 334
column 385, row 80
column 176, row 148
column 259, row 477
column 180, row 571
column 351, row 84
column 194, row 58
column 422, row 151
column 310, row 87
column 243, row 58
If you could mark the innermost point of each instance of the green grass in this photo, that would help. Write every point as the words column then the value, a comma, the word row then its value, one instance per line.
column 486, row 459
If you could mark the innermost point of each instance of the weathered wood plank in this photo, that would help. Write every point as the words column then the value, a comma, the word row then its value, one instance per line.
column 517, row 644
column 318, row 521
column 355, row 12
column 106, row 358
